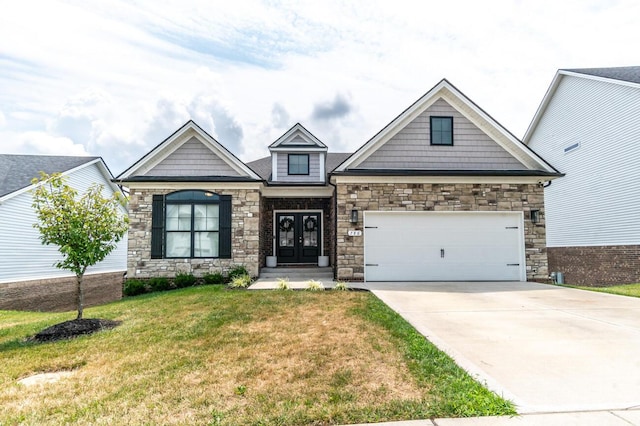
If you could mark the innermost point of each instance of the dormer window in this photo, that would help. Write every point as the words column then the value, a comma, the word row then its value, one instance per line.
column 298, row 164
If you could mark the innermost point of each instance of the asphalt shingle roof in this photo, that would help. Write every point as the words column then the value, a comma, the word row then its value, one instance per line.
column 630, row 74
column 16, row 171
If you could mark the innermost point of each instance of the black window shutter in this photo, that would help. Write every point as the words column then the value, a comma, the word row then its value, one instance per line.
column 157, row 226
column 225, row 227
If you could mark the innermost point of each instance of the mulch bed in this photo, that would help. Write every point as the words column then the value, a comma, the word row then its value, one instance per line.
column 74, row 328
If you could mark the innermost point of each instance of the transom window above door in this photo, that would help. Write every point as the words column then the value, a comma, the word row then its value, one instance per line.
column 298, row 164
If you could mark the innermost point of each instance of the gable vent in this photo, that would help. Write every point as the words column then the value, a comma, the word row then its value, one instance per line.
column 572, row 147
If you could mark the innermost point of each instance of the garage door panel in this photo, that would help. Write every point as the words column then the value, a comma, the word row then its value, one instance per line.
column 443, row 246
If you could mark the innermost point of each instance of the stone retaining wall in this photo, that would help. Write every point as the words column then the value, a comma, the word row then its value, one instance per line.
column 438, row 197
column 59, row 294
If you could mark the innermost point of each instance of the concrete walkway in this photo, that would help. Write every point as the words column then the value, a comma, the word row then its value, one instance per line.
column 563, row 356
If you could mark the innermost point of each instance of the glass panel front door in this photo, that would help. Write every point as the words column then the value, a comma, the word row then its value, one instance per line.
column 297, row 237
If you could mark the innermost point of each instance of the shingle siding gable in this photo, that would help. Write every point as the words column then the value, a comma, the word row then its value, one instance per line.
column 193, row 158
column 472, row 149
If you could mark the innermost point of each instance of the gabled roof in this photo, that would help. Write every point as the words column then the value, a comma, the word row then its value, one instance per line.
column 627, row 76
column 447, row 91
column 175, row 141
column 17, row 171
column 297, row 137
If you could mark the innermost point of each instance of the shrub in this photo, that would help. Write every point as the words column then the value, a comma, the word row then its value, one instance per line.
column 236, row 271
column 341, row 286
column 240, row 281
column 159, row 284
column 133, row 287
column 215, row 278
column 184, row 280
column 313, row 285
column 283, row 284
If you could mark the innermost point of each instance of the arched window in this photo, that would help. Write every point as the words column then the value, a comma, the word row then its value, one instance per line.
column 191, row 224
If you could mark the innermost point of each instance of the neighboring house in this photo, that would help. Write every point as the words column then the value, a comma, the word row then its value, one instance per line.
column 588, row 126
column 443, row 192
column 28, row 279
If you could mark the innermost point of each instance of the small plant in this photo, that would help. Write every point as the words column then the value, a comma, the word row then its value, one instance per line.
column 341, row 286
column 183, row 280
column 240, row 390
column 159, row 284
column 237, row 271
column 215, row 278
column 133, row 287
column 283, row 284
column 240, row 281
column 313, row 285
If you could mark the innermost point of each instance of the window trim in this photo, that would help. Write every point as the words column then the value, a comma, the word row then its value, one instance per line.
column 289, row 165
column 431, row 118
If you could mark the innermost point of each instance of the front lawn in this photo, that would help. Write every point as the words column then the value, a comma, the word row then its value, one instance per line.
column 206, row 355
column 623, row 289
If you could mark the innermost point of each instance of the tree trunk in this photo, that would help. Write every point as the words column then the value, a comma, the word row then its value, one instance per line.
column 80, row 294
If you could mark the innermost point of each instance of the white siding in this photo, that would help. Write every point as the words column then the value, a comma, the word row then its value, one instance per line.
column 598, row 201
column 193, row 158
column 411, row 147
column 23, row 257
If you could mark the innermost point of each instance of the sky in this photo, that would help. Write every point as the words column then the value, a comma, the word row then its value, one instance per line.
column 114, row 78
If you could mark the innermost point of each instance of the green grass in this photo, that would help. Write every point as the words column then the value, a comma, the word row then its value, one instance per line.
column 206, row 355
column 623, row 289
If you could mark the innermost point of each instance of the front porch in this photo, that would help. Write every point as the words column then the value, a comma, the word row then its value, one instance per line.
column 297, row 232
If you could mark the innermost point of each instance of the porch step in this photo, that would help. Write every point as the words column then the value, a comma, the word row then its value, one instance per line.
column 297, row 273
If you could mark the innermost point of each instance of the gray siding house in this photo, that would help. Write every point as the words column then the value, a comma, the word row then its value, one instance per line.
column 443, row 192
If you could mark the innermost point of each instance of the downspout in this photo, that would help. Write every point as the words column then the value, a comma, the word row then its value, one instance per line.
column 335, row 228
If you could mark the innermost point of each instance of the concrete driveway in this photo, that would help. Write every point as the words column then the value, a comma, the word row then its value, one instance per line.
column 546, row 348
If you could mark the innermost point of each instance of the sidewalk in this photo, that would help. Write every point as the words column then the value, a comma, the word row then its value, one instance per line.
column 584, row 418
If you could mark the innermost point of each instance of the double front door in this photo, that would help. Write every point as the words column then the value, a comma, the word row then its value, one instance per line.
column 298, row 237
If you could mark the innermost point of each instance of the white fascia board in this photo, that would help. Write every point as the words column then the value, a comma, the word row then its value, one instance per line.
column 175, row 141
column 204, row 186
column 542, row 107
column 297, row 191
column 298, row 148
column 393, row 127
column 350, row 179
column 603, row 79
column 297, row 128
column 499, row 134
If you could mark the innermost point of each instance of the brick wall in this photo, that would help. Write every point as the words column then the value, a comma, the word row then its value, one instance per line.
column 59, row 294
column 596, row 266
column 300, row 204
column 438, row 197
column 245, row 224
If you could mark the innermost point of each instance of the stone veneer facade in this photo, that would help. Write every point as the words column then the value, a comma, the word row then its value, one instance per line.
column 437, row 197
column 245, row 244
column 596, row 265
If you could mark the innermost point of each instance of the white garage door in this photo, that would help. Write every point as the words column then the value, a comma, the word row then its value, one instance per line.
column 444, row 246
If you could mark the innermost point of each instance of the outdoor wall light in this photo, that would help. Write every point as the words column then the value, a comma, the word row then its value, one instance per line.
column 535, row 216
column 354, row 216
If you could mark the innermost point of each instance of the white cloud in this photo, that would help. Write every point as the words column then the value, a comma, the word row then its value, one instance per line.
column 43, row 143
column 117, row 78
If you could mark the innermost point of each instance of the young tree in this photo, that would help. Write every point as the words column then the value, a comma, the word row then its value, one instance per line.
column 85, row 228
